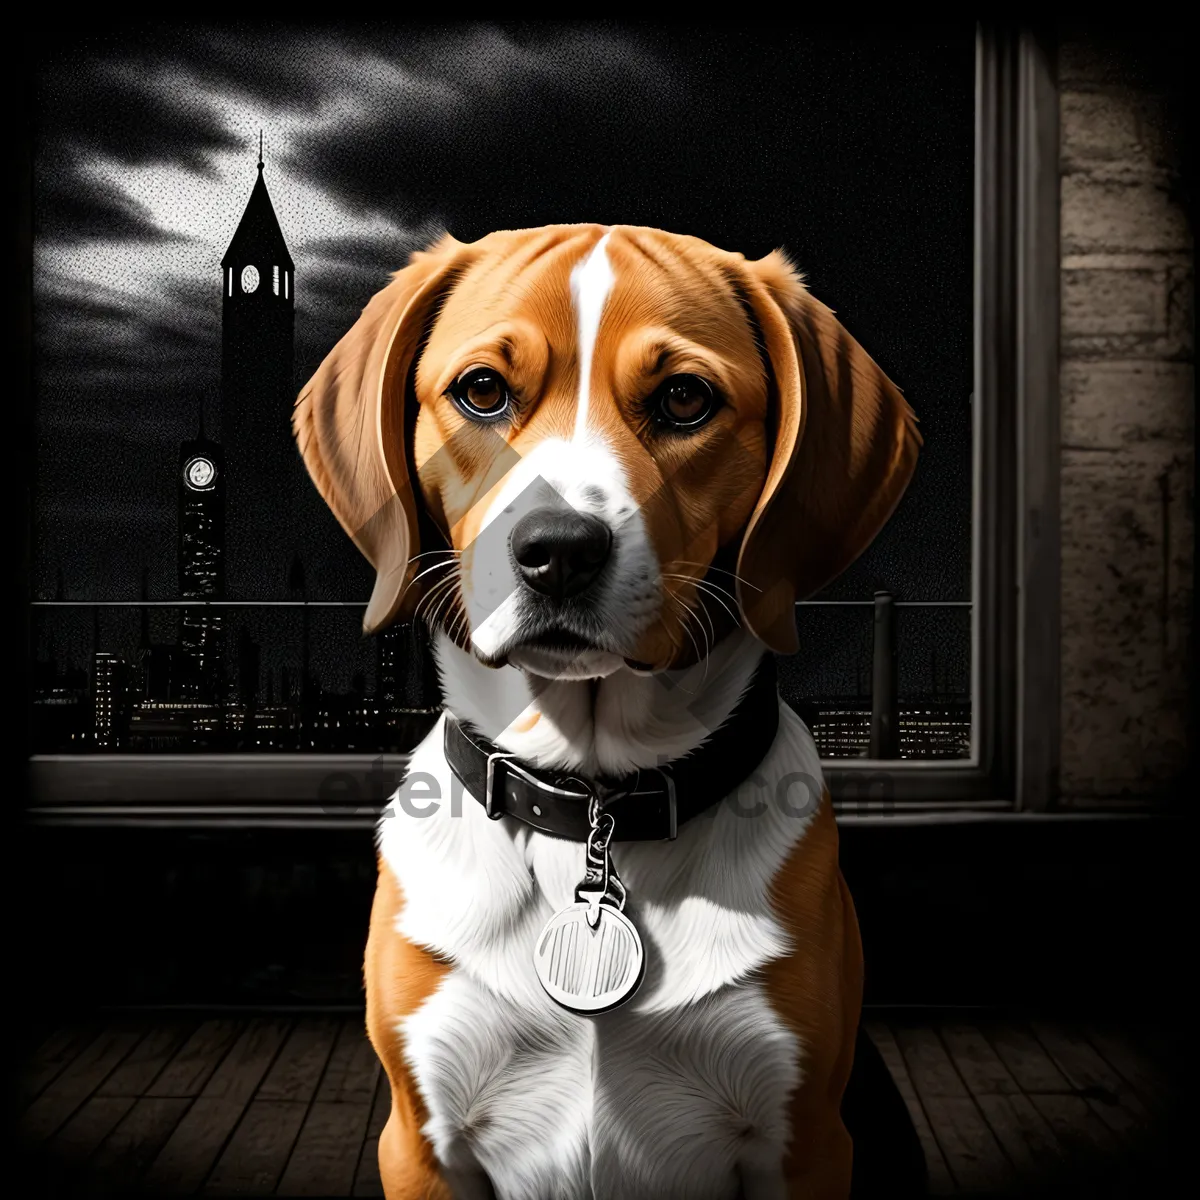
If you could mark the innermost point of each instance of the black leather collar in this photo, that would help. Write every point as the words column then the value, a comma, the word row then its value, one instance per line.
column 648, row 805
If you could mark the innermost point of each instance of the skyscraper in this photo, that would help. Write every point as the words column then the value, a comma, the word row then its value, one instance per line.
column 201, row 565
column 108, row 699
column 258, row 290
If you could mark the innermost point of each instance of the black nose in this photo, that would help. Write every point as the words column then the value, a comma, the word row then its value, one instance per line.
column 559, row 551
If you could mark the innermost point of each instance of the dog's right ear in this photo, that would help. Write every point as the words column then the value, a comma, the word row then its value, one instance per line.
column 349, row 423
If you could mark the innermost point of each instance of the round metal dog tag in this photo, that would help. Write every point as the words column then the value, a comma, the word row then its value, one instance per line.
column 589, row 969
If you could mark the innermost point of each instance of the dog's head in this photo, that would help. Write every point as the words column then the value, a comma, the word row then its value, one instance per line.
column 628, row 439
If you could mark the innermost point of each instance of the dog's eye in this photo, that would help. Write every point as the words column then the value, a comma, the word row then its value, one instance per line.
column 481, row 394
column 684, row 402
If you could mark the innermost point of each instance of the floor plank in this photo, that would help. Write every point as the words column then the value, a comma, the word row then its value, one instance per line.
column 55, row 1105
column 1142, row 1072
column 1020, row 1129
column 331, row 1141
column 193, row 1148
column 243, row 1069
column 196, row 1060
column 298, row 1069
column 1074, row 1123
column 978, row 1064
column 327, row 1151
column 257, row 1153
column 147, row 1059
column 136, row 1141
column 264, row 1139
column 1085, row 1070
column 940, row 1181
column 56, row 1052
column 66, row 1170
column 366, row 1176
column 972, row 1153
column 353, row 1067
column 87, row 1129
column 1111, row 1099
column 1026, row 1058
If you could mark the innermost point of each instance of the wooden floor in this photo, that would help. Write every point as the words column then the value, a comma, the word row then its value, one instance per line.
column 293, row 1106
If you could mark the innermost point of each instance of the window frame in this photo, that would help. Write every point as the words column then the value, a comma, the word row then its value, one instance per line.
column 1015, row 526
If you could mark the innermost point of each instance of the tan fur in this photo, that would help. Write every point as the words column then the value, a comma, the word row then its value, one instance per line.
column 846, row 446
column 817, row 993
column 399, row 978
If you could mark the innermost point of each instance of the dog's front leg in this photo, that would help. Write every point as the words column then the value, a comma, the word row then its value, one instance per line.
column 816, row 1169
column 466, row 1179
column 409, row 1171
column 470, row 1185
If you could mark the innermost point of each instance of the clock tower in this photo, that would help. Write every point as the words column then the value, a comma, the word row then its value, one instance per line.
column 258, row 295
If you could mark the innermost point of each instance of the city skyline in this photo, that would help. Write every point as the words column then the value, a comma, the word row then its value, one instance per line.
column 145, row 176
column 201, row 686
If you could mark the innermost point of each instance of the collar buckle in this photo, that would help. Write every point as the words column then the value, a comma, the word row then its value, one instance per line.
column 500, row 764
column 497, row 766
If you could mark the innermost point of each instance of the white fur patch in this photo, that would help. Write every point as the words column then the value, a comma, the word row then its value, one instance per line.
column 683, row 1091
column 591, row 281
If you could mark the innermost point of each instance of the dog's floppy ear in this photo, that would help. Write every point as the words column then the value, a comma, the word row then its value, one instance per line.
column 349, row 423
column 845, row 445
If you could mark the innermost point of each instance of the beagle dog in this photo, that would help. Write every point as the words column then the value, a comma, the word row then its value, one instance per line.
column 611, row 952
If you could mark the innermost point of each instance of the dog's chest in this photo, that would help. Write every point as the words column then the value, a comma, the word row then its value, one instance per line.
column 622, row 1106
column 675, row 1094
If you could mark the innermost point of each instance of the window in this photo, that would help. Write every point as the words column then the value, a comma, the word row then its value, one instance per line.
column 173, row 614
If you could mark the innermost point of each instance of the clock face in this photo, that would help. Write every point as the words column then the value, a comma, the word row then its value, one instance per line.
column 249, row 279
column 199, row 473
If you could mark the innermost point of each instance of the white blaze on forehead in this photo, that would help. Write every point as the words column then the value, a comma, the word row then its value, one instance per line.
column 591, row 282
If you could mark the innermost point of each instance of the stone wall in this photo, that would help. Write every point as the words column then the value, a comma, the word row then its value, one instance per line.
column 1127, row 395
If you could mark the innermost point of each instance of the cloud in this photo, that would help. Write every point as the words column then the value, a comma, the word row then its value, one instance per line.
column 484, row 129
column 133, row 111
column 71, row 208
column 94, row 335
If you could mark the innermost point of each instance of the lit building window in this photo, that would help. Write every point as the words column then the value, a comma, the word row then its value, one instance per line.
column 230, row 273
column 275, row 279
column 286, row 281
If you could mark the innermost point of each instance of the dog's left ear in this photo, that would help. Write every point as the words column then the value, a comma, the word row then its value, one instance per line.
column 349, row 423
column 845, row 445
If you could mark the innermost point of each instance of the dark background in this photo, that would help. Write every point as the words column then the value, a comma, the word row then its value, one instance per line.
column 856, row 156
column 1080, row 916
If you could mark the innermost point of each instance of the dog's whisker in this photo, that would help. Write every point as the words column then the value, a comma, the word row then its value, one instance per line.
column 712, row 629
column 459, row 624
column 434, row 593
column 683, row 562
column 445, row 598
column 433, row 590
column 438, row 566
column 720, row 597
column 690, row 615
column 430, row 553
column 460, row 631
column 707, row 589
column 450, row 565
column 684, row 629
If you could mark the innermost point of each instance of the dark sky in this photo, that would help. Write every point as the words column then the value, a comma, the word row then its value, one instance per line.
column 854, row 153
